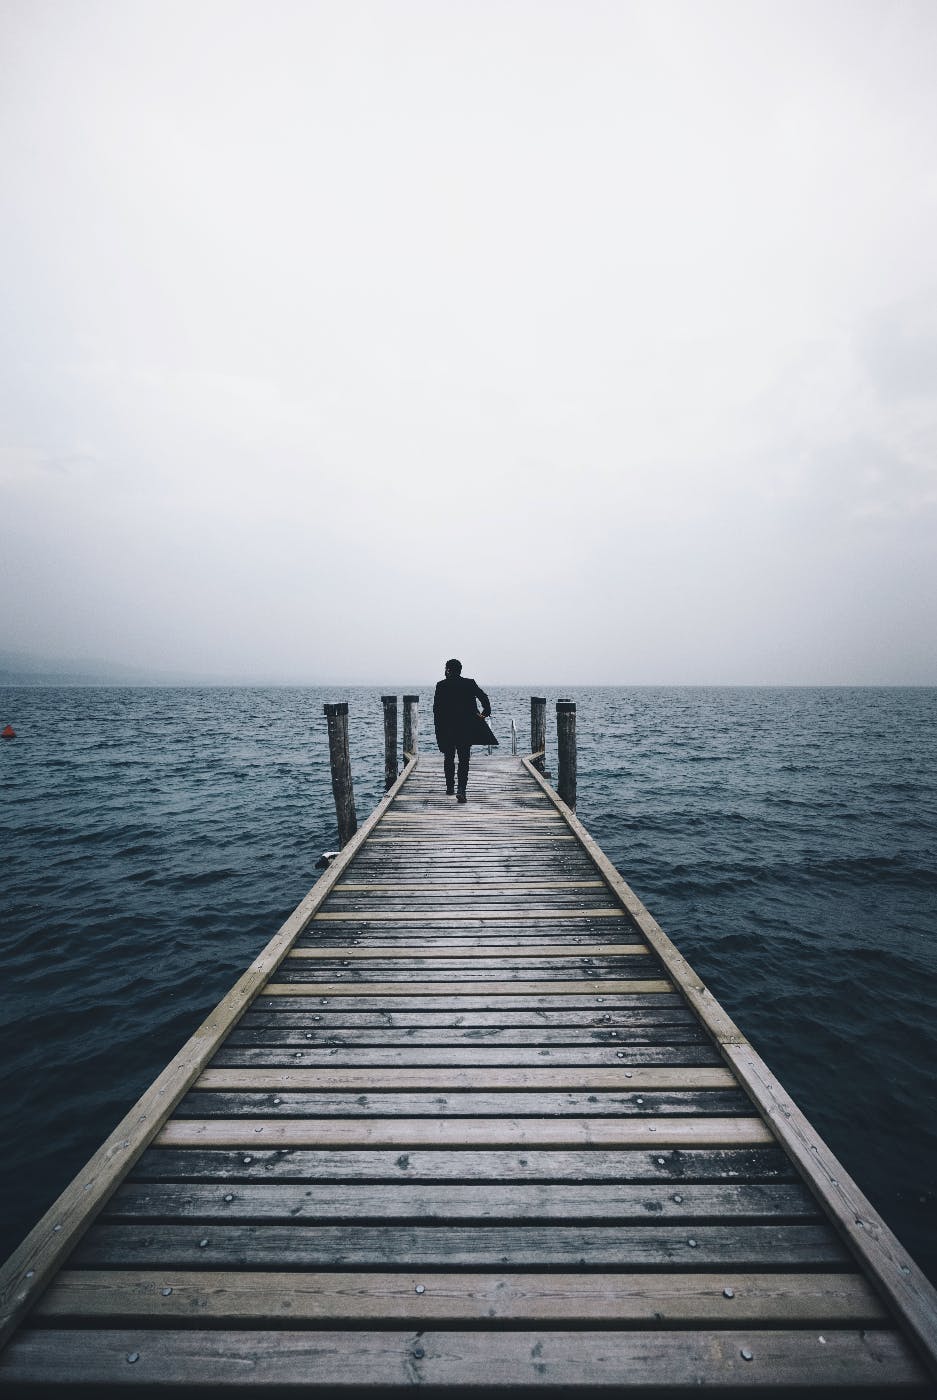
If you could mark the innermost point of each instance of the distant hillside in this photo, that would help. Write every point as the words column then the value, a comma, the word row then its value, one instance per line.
column 21, row 668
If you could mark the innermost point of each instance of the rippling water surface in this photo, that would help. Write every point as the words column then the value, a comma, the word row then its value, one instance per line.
column 153, row 840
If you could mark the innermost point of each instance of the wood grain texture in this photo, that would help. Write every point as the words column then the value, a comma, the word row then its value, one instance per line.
column 472, row 1132
column 591, row 1164
column 649, row 1245
column 415, row 1056
column 322, row 1362
column 472, row 952
column 466, row 1035
column 605, row 1203
column 120, row 1297
column 446, row 1104
column 532, row 988
column 459, row 1077
column 653, row 1011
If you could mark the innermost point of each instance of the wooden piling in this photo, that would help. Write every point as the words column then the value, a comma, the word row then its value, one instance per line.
column 538, row 729
column 566, row 744
column 340, row 761
column 390, row 740
column 411, row 737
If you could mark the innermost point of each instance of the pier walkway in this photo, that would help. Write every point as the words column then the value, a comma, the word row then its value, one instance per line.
column 470, row 1120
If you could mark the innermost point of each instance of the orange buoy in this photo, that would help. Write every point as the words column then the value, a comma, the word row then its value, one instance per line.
column 8, row 733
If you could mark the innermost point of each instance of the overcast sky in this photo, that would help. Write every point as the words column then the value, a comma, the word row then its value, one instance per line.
column 589, row 341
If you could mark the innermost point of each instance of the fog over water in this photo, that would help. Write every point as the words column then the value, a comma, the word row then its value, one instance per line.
column 589, row 341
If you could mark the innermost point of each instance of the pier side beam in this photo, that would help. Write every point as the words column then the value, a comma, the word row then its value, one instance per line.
column 390, row 740
column 340, row 761
column 566, row 744
column 538, row 729
column 411, row 737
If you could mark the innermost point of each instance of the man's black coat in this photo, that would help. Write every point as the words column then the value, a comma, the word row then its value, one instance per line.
column 455, row 714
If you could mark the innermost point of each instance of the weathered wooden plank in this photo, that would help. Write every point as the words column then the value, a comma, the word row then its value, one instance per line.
column 468, row 934
column 465, row 937
column 649, row 1245
column 727, row 1299
column 467, row 955
column 450, row 975
column 537, row 1103
column 459, row 940
column 416, row 906
column 532, row 862
column 410, row 866
column 491, row 914
column 478, row 1035
column 460, row 1077
column 749, row 1164
column 547, row 1018
column 464, row 1132
column 458, row 1005
column 457, row 820
column 417, row 1056
column 324, row 1362
column 406, row 841
column 607, row 987
column 525, row 887
column 451, row 969
column 495, row 892
column 301, row 1203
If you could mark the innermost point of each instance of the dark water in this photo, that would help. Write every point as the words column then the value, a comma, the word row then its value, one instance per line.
column 153, row 840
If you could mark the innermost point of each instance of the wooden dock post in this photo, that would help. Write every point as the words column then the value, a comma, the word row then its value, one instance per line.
column 340, row 760
column 566, row 744
column 390, row 740
column 411, row 737
column 538, row 729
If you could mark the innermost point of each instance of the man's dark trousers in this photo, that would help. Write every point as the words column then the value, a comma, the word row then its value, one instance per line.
column 448, row 764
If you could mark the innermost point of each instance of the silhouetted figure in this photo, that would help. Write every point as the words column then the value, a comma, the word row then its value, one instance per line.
column 458, row 724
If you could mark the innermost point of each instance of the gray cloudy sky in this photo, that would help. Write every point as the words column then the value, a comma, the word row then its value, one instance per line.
column 590, row 341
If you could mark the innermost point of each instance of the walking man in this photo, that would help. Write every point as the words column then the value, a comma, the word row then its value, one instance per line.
column 458, row 724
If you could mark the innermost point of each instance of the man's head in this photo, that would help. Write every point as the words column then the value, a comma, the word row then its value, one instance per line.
column 453, row 667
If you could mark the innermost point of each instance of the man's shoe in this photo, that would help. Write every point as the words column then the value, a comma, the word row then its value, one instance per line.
column 460, row 795
column 450, row 792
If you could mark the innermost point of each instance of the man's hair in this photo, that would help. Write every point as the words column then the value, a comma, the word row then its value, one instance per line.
column 454, row 665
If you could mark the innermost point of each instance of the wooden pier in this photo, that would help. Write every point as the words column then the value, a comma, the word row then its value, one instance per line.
column 470, row 1121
